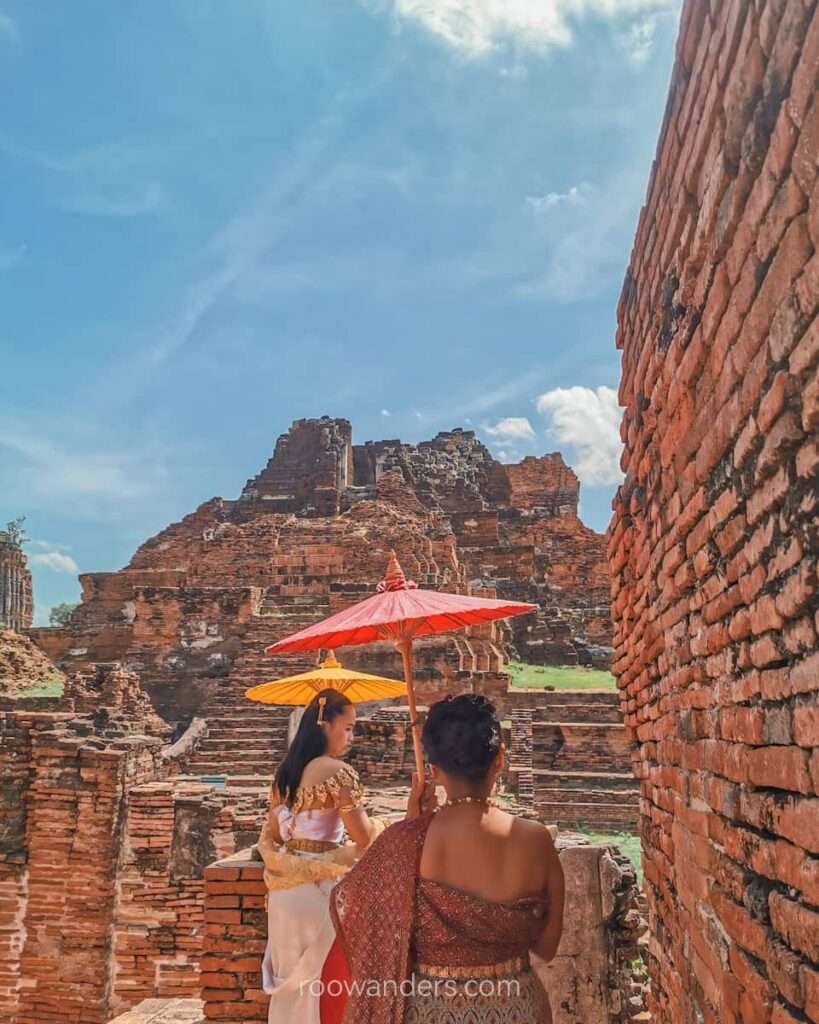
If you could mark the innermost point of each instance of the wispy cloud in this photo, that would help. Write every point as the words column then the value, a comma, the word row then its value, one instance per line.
column 37, row 471
column 512, row 428
column 56, row 561
column 482, row 399
column 478, row 28
column 574, row 196
column 588, row 421
column 11, row 258
column 386, row 412
column 592, row 249
column 111, row 179
column 9, row 30
column 239, row 247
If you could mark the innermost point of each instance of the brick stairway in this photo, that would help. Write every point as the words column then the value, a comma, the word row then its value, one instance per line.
column 246, row 738
column 572, row 760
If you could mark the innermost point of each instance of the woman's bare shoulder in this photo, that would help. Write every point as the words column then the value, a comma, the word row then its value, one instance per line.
column 322, row 768
column 534, row 832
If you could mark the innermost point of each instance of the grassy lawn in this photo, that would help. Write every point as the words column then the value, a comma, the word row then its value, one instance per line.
column 561, row 677
column 628, row 843
column 42, row 689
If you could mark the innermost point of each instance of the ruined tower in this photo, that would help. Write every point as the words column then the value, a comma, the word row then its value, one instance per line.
column 16, row 603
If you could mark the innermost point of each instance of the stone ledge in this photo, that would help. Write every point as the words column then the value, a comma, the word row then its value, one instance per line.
column 163, row 1011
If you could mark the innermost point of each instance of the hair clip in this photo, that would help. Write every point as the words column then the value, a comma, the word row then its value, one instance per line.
column 321, row 702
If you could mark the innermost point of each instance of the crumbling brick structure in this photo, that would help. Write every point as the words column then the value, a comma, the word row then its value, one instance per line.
column 713, row 546
column 309, row 535
column 16, row 596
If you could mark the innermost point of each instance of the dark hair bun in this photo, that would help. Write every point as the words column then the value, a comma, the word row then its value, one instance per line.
column 462, row 735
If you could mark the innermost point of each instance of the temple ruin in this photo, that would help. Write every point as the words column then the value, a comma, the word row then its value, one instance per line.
column 16, row 599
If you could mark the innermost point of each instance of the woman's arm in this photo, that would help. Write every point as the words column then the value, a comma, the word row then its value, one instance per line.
column 549, row 939
column 361, row 828
column 270, row 837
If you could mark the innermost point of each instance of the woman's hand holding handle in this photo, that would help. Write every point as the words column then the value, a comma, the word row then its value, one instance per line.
column 422, row 798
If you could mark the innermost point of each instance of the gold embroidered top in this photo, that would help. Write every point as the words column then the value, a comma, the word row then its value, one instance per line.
column 325, row 794
column 286, row 868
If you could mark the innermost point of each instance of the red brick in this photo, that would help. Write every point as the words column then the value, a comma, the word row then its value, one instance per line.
column 806, row 722
column 803, row 85
column 798, row 924
column 807, row 460
column 806, row 352
column 223, row 916
column 739, row 924
column 781, row 768
column 764, row 615
column 805, row 158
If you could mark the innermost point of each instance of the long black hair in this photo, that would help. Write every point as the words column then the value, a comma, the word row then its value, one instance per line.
column 310, row 741
column 462, row 735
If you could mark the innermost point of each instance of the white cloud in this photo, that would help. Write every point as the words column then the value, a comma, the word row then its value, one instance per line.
column 56, row 561
column 385, row 412
column 638, row 39
column 574, row 196
column 11, row 258
column 9, row 32
column 477, row 28
column 588, row 421
column 512, row 428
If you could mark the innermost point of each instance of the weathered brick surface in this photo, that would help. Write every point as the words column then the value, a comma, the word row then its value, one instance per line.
column 173, row 829
column 102, row 855
column 61, row 813
column 713, row 544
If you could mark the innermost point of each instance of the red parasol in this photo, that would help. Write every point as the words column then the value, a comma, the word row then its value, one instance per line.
column 400, row 611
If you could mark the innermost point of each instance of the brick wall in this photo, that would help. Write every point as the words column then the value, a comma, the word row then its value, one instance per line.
column 235, row 939
column 713, row 543
column 173, row 830
column 61, row 803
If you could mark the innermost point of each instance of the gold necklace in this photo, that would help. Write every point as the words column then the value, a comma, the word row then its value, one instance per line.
column 488, row 801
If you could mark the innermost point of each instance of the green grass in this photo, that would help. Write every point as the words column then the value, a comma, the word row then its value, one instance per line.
column 561, row 677
column 46, row 688
column 628, row 843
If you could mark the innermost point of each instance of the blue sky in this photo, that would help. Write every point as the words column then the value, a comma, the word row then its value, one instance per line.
column 218, row 217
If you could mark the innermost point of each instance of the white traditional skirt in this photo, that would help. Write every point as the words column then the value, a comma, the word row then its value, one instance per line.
column 299, row 928
column 299, row 936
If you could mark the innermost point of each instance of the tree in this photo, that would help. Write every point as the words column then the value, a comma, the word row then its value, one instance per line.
column 15, row 532
column 60, row 614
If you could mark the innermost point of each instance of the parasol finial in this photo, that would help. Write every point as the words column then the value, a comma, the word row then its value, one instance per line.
column 394, row 578
column 394, row 570
column 331, row 661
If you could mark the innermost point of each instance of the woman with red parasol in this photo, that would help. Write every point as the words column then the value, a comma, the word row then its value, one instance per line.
column 376, row 909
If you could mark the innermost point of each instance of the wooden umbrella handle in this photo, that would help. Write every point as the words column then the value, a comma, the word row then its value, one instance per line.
column 405, row 647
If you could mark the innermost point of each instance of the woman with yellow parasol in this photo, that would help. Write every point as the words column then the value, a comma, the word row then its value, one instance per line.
column 315, row 799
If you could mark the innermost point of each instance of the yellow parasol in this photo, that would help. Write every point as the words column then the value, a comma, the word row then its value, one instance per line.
column 329, row 675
